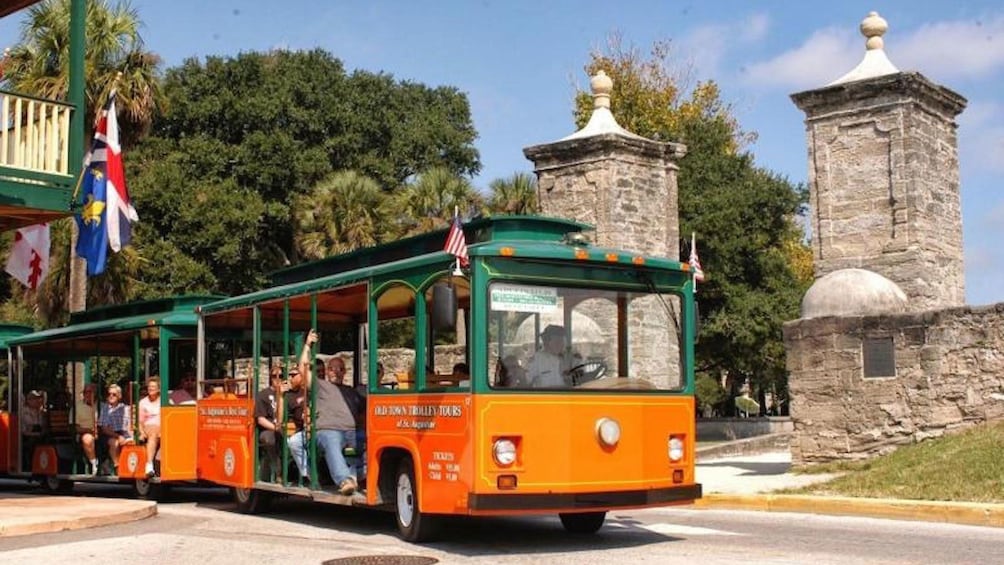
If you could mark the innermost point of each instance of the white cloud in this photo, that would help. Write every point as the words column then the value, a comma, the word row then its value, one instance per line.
column 756, row 28
column 952, row 49
column 707, row 45
column 949, row 49
column 981, row 139
column 980, row 112
column 824, row 57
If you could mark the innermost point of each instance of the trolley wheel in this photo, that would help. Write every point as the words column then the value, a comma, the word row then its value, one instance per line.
column 149, row 490
column 52, row 484
column 582, row 522
column 413, row 525
column 252, row 501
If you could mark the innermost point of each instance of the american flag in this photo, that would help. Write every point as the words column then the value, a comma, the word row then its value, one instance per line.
column 695, row 263
column 456, row 243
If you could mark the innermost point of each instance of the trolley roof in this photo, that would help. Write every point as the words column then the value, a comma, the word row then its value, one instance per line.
column 530, row 237
column 177, row 310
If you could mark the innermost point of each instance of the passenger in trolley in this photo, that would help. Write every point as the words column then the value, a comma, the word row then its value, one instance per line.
column 115, row 424
column 149, row 421
column 268, row 417
column 86, row 416
column 295, row 402
column 336, row 423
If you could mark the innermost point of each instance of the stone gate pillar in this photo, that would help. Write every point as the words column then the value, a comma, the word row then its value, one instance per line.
column 884, row 176
column 622, row 183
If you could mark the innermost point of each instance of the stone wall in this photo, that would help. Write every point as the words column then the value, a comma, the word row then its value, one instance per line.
column 884, row 183
column 949, row 368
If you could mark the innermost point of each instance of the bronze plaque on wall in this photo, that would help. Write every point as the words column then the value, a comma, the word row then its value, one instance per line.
column 879, row 357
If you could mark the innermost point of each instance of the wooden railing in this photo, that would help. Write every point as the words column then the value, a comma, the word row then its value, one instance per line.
column 34, row 134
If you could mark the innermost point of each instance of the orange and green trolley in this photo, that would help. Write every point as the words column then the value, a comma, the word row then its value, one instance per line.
column 547, row 376
column 72, row 368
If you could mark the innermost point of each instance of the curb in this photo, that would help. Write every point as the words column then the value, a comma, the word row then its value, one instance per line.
column 968, row 513
column 92, row 515
column 767, row 443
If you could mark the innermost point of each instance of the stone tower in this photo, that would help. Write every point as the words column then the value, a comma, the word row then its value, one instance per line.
column 622, row 183
column 884, row 176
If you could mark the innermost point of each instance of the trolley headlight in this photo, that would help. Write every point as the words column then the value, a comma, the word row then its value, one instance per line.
column 504, row 452
column 675, row 448
column 608, row 431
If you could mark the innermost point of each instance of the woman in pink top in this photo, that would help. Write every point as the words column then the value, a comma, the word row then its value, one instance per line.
column 149, row 421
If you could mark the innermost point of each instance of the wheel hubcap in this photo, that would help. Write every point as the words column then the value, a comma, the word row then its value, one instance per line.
column 405, row 500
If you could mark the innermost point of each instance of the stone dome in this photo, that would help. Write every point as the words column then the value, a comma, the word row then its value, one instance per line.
column 853, row 292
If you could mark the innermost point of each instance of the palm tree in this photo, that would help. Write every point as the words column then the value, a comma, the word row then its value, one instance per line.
column 39, row 65
column 516, row 195
column 428, row 203
column 341, row 213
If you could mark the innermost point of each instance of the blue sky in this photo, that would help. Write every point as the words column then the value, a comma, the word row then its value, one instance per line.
column 519, row 62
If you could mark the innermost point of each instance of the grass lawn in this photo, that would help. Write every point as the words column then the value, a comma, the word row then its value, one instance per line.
column 967, row 466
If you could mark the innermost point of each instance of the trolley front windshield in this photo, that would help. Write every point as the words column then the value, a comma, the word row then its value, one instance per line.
column 580, row 338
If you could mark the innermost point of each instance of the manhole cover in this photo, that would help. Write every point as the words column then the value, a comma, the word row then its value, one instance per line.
column 383, row 560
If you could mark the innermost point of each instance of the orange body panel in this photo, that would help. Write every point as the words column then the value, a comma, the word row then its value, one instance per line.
column 436, row 430
column 558, row 449
column 558, row 446
column 44, row 460
column 450, row 438
column 177, row 443
column 8, row 443
column 132, row 462
column 225, row 441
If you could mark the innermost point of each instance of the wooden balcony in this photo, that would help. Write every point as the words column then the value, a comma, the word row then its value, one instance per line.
column 36, row 177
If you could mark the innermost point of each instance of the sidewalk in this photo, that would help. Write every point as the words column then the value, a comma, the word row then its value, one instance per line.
column 746, row 482
column 24, row 514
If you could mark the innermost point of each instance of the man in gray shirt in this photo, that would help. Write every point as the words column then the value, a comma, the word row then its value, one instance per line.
column 336, row 425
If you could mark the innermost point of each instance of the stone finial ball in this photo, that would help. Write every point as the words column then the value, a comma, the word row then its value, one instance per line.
column 873, row 28
column 601, row 83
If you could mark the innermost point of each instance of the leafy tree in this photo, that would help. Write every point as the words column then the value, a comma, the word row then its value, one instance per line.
column 340, row 214
column 709, row 393
column 745, row 216
column 429, row 202
column 244, row 142
column 515, row 195
column 39, row 63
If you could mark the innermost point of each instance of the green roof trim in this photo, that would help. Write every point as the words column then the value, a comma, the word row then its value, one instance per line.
column 11, row 331
column 481, row 230
column 175, row 311
column 156, row 306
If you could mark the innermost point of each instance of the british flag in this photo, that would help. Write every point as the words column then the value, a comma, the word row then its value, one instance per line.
column 106, row 213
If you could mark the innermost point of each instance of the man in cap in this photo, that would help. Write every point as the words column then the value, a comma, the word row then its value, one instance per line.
column 32, row 419
column 268, row 416
column 549, row 366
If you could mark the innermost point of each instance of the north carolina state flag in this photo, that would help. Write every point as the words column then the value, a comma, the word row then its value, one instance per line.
column 29, row 256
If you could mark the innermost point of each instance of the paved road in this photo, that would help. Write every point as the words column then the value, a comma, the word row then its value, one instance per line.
column 199, row 526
